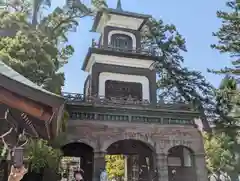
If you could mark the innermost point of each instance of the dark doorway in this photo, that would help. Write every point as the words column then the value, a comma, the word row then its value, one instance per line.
column 85, row 153
column 139, row 159
column 181, row 164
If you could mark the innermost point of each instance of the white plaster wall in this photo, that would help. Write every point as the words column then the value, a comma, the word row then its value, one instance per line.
column 119, row 21
column 124, row 33
column 104, row 76
column 114, row 60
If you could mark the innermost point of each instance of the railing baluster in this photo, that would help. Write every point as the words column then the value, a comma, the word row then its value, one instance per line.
column 143, row 51
column 80, row 98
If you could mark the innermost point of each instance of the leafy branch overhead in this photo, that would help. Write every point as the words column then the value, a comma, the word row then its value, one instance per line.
column 39, row 50
column 176, row 83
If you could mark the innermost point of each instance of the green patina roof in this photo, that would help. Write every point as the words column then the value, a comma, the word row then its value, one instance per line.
column 12, row 74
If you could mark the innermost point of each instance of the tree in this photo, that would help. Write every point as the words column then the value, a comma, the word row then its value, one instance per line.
column 228, row 121
column 228, row 37
column 229, row 43
column 115, row 166
column 38, row 48
column 176, row 83
column 228, row 95
column 39, row 51
column 219, row 153
column 221, row 146
column 36, row 9
column 41, row 155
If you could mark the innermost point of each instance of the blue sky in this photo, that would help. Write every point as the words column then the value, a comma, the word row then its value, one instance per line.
column 195, row 20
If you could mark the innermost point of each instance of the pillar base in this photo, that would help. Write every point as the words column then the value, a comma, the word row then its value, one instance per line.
column 98, row 165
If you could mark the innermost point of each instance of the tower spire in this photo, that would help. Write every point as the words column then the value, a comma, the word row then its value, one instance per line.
column 119, row 5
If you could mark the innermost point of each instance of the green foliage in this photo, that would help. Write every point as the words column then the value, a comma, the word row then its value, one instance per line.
column 176, row 83
column 229, row 43
column 228, row 36
column 36, row 7
column 41, row 155
column 3, row 152
column 39, row 51
column 99, row 4
column 222, row 148
column 33, row 53
column 228, row 121
column 219, row 152
column 115, row 166
column 65, row 117
column 38, row 48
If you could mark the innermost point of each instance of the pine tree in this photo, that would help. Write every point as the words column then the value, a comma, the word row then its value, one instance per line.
column 228, row 95
column 229, row 43
column 177, row 83
column 229, row 37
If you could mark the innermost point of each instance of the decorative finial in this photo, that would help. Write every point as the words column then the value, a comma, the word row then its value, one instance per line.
column 119, row 5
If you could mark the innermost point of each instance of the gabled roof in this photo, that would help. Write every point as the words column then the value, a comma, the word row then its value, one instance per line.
column 13, row 81
column 118, row 12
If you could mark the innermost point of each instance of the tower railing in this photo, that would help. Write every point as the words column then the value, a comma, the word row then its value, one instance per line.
column 141, row 51
column 137, row 110
column 81, row 98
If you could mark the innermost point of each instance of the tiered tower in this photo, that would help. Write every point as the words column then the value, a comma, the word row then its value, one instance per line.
column 119, row 113
column 118, row 66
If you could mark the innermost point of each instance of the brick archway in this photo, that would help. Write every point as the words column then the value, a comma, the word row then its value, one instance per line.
column 138, row 137
column 83, row 155
column 92, row 143
column 181, row 163
column 194, row 146
column 139, row 156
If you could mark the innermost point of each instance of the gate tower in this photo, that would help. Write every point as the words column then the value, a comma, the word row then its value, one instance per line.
column 119, row 113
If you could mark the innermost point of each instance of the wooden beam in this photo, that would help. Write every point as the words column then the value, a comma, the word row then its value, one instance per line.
column 25, row 105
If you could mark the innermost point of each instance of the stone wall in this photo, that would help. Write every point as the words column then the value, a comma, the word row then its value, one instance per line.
column 159, row 138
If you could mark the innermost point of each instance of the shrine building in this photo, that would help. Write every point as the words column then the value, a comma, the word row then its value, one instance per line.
column 25, row 108
column 119, row 112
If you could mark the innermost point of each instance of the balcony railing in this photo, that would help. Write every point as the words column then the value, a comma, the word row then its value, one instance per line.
column 93, row 116
column 76, row 98
column 141, row 51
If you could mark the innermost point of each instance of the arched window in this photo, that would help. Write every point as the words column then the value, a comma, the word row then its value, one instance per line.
column 121, row 42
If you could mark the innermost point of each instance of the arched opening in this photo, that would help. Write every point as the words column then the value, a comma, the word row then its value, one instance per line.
column 77, row 156
column 121, row 42
column 137, row 157
column 181, row 164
